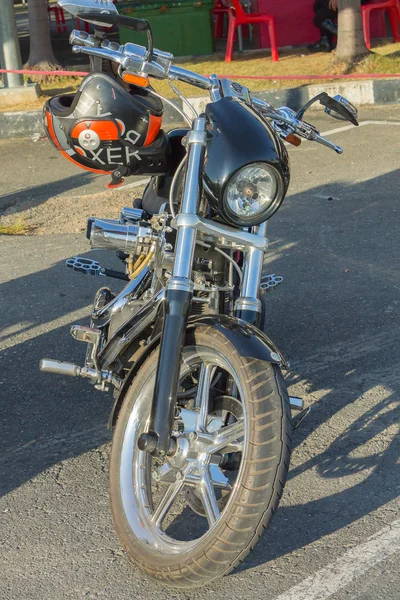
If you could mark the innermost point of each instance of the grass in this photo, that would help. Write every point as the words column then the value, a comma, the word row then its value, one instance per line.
column 17, row 228
column 384, row 59
column 50, row 87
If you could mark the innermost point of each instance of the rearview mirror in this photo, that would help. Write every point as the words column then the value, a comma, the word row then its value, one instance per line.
column 340, row 108
column 337, row 107
column 89, row 9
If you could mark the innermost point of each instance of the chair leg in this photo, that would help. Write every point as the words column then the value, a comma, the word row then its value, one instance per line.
column 85, row 24
column 57, row 18
column 219, row 24
column 240, row 37
column 394, row 23
column 62, row 15
column 272, row 39
column 366, row 28
column 231, row 38
column 79, row 23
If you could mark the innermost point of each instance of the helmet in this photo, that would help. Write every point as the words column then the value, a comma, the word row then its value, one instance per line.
column 106, row 127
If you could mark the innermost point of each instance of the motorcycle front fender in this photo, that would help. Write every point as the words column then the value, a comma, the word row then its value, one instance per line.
column 249, row 341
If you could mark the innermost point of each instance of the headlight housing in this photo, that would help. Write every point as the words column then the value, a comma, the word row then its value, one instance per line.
column 252, row 195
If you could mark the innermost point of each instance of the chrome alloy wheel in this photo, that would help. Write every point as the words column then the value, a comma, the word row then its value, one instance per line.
column 158, row 497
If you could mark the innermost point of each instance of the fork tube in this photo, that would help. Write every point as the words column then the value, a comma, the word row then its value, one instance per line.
column 248, row 305
column 177, row 305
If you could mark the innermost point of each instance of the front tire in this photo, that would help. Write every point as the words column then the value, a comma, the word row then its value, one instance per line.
column 239, row 518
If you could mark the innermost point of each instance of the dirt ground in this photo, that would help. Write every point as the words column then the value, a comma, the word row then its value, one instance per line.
column 66, row 214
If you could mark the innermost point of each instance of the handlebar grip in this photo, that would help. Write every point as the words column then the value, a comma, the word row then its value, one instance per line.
column 128, row 22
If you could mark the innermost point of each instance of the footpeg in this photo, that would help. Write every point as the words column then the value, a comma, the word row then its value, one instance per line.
column 100, row 379
column 85, row 334
column 64, row 368
column 269, row 282
column 84, row 265
column 92, row 267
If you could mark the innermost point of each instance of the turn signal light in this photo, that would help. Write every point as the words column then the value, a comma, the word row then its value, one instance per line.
column 135, row 80
column 293, row 139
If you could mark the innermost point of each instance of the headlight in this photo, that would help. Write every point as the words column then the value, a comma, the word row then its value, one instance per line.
column 252, row 195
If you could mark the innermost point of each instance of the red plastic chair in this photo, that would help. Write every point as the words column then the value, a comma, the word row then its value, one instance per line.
column 59, row 17
column 238, row 16
column 393, row 9
column 79, row 24
column 219, row 11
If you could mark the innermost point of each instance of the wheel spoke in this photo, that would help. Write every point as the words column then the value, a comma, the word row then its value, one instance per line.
column 203, row 392
column 218, row 479
column 166, row 502
column 208, row 497
column 228, row 438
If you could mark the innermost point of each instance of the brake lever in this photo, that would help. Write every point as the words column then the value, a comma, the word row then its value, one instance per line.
column 285, row 123
column 311, row 133
column 321, row 140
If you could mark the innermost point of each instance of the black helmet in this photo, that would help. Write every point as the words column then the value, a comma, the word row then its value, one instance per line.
column 106, row 127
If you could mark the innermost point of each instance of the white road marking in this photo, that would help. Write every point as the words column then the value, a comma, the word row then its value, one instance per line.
column 362, row 124
column 354, row 563
column 135, row 184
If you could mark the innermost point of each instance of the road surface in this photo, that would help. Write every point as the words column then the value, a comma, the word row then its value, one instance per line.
column 336, row 318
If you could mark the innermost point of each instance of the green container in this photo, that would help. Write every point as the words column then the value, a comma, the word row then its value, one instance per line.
column 182, row 28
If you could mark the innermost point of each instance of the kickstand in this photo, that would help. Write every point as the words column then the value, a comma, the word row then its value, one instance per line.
column 297, row 421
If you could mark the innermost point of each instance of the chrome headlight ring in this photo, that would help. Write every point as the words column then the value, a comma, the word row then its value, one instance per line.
column 252, row 195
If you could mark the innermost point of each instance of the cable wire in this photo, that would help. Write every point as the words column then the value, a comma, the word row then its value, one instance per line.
column 173, row 184
column 225, row 255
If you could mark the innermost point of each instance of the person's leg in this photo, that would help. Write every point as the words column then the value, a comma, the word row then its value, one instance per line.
column 320, row 5
column 325, row 21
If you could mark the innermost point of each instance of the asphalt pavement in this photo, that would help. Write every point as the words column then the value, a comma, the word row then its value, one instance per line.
column 336, row 318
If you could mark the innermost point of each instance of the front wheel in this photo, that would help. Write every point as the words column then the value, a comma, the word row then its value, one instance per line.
column 192, row 517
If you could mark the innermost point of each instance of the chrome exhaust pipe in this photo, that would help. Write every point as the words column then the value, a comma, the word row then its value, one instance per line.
column 113, row 235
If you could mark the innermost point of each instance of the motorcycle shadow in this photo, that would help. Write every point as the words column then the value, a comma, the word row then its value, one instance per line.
column 349, row 434
column 46, row 419
column 343, row 335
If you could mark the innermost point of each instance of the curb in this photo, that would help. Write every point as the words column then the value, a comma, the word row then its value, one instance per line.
column 360, row 93
column 21, row 124
column 369, row 92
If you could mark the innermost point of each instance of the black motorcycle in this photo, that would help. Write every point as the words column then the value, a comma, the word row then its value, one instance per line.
column 201, row 417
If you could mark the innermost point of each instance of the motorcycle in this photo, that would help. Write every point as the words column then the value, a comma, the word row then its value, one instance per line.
column 201, row 417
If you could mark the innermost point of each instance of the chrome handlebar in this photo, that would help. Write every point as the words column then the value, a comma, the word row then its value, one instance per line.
column 134, row 59
column 285, row 123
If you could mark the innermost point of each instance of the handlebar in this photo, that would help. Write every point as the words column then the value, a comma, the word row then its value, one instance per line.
column 186, row 76
column 285, row 122
column 136, row 59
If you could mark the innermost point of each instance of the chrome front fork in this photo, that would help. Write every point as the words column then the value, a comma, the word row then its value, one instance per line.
column 248, row 305
column 157, row 440
column 186, row 237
